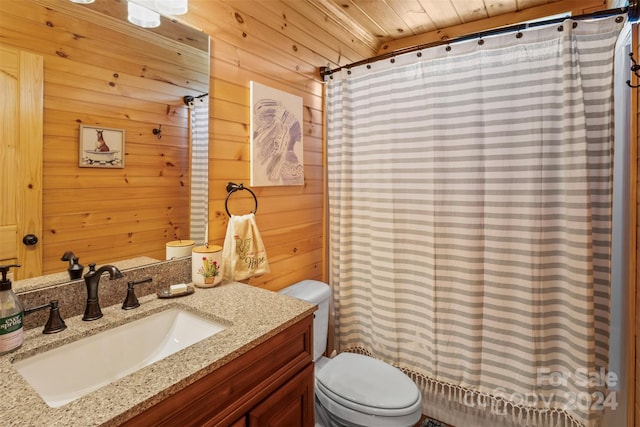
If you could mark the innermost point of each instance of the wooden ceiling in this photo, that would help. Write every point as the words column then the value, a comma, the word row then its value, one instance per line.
column 389, row 25
column 352, row 30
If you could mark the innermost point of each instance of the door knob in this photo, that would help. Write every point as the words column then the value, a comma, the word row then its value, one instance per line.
column 30, row 239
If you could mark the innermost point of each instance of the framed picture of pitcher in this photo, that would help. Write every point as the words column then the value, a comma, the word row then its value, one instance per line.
column 101, row 147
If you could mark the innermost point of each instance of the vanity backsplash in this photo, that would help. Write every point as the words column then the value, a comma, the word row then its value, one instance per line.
column 72, row 295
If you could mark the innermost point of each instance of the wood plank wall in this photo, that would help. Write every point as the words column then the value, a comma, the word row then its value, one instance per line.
column 271, row 43
column 95, row 75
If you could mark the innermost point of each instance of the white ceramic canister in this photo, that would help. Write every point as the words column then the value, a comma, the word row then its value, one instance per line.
column 179, row 248
column 206, row 266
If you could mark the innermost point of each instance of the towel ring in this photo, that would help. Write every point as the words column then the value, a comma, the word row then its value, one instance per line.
column 232, row 188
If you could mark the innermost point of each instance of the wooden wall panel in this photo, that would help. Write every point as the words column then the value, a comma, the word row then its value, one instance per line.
column 270, row 46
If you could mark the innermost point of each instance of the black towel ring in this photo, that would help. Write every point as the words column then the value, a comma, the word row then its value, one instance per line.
column 231, row 188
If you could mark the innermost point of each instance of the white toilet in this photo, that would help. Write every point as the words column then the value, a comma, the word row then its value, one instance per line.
column 351, row 389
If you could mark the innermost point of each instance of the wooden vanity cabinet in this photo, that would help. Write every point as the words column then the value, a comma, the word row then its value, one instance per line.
column 288, row 406
column 269, row 385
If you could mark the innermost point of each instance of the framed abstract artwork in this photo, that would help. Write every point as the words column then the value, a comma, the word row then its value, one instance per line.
column 276, row 137
column 101, row 147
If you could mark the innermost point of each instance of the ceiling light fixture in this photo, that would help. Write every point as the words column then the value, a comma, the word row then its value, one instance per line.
column 141, row 16
column 172, row 7
column 146, row 13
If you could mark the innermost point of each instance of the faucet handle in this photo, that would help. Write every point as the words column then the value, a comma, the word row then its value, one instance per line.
column 92, row 270
column 54, row 323
column 131, row 301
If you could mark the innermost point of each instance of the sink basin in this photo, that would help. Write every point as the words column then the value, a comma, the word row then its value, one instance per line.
column 69, row 372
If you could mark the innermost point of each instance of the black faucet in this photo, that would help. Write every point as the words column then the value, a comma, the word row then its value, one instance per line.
column 92, row 279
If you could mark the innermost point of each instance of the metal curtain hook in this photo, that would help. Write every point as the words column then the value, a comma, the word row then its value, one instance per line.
column 634, row 69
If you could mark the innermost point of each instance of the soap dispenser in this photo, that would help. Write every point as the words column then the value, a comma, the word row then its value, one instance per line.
column 11, row 313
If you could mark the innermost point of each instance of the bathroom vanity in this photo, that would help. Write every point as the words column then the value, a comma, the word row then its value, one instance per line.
column 270, row 385
column 257, row 371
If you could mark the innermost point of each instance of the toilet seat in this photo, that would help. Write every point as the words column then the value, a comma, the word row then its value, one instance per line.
column 352, row 418
column 353, row 387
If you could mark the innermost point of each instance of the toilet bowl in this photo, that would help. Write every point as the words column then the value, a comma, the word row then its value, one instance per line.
column 352, row 389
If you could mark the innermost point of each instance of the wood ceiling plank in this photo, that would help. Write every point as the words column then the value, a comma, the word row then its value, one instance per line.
column 441, row 12
column 499, row 7
column 596, row 8
column 541, row 11
column 356, row 14
column 384, row 16
column 526, row 4
column 413, row 14
column 470, row 10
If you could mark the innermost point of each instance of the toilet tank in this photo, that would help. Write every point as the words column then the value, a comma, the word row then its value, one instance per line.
column 314, row 292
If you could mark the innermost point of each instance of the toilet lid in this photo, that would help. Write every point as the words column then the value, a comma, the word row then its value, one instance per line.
column 358, row 381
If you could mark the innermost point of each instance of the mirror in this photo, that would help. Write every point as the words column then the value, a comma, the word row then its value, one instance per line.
column 102, row 72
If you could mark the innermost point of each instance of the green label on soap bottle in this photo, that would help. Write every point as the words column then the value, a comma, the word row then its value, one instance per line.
column 10, row 324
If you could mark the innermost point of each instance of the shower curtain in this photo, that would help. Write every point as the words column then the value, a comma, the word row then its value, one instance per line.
column 199, row 138
column 469, row 201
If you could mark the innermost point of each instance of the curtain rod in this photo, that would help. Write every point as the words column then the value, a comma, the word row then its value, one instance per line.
column 632, row 10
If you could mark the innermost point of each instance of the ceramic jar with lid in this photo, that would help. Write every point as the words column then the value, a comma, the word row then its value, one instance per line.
column 206, row 266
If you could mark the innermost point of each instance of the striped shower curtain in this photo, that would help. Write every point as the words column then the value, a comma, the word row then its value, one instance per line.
column 469, row 203
column 199, row 139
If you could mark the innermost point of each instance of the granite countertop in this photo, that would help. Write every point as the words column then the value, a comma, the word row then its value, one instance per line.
column 251, row 316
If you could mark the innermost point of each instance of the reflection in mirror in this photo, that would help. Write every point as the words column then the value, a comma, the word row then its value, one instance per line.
column 101, row 71
column 47, row 280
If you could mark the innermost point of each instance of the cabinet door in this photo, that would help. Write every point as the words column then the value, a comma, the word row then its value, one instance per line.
column 21, row 115
column 290, row 405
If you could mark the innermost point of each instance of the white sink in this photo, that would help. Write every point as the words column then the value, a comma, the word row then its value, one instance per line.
column 69, row 372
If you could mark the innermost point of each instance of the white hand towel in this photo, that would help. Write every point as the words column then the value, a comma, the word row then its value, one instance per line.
column 243, row 253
